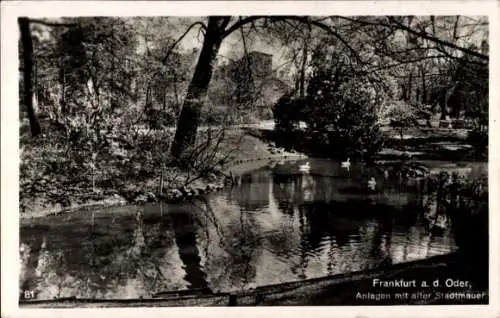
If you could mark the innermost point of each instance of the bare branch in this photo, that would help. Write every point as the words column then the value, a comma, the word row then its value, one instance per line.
column 404, row 62
column 238, row 24
column 305, row 20
column 248, row 62
column 432, row 38
column 435, row 39
column 170, row 50
column 326, row 28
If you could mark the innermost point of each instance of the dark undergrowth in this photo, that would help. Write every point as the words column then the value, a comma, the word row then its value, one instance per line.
column 73, row 165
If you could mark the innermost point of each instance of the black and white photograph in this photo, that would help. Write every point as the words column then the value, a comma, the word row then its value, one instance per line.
column 252, row 160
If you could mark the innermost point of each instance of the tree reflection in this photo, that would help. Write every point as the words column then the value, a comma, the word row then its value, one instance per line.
column 269, row 231
column 304, row 244
column 185, row 237
column 381, row 243
column 253, row 194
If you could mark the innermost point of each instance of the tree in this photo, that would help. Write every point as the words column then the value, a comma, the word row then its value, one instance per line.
column 27, row 44
column 288, row 112
column 191, row 110
column 343, row 106
column 402, row 116
column 386, row 27
column 216, row 31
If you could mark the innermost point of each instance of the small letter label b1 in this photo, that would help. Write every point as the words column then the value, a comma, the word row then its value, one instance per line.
column 29, row 294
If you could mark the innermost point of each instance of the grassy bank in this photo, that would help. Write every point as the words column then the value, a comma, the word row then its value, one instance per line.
column 59, row 177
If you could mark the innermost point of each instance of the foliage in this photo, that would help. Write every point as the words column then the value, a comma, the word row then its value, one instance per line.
column 478, row 136
column 450, row 185
column 287, row 113
column 402, row 116
column 465, row 200
column 353, row 128
column 88, row 161
column 340, row 109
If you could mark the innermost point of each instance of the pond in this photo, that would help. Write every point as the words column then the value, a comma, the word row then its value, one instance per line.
column 278, row 225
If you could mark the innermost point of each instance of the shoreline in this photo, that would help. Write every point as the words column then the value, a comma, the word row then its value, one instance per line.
column 254, row 153
column 174, row 195
column 234, row 168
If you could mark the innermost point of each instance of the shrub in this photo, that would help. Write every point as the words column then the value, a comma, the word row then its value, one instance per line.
column 287, row 112
column 402, row 116
column 478, row 136
column 347, row 113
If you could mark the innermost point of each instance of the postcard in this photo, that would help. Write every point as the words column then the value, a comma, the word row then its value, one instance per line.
column 163, row 157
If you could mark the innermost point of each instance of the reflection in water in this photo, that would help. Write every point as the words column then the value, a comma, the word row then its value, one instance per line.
column 185, row 238
column 275, row 227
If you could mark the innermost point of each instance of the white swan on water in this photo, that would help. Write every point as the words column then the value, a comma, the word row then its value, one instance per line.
column 346, row 164
column 440, row 222
column 305, row 167
column 372, row 183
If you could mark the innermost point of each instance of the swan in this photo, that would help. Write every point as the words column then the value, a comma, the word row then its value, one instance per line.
column 305, row 167
column 372, row 183
column 440, row 222
column 386, row 174
column 346, row 164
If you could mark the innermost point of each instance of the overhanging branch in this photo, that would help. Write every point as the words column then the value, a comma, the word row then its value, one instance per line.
column 434, row 39
column 170, row 50
column 398, row 25
column 240, row 23
column 305, row 20
column 324, row 27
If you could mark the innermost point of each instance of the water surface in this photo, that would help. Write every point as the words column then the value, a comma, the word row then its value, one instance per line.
column 279, row 225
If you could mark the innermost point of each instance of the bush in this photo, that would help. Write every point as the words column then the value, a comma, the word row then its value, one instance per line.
column 288, row 112
column 346, row 114
column 340, row 109
column 466, row 202
column 402, row 116
column 88, row 159
column 478, row 137
column 158, row 119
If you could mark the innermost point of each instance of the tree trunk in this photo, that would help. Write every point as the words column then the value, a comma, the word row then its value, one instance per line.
column 175, row 90
column 410, row 88
column 442, row 104
column 36, row 104
column 148, row 97
column 189, row 119
column 424, row 88
column 62, row 97
column 297, row 84
column 24, row 25
column 302, row 82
